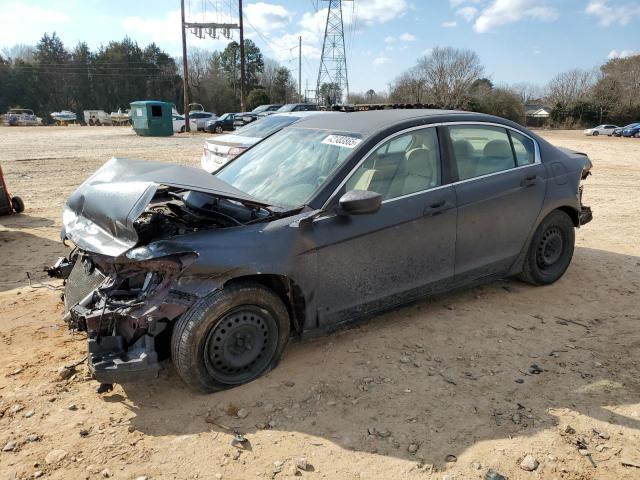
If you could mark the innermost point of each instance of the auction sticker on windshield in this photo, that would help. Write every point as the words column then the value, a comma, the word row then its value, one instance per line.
column 342, row 141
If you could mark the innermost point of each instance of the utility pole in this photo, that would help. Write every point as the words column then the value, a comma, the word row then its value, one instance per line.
column 300, row 67
column 185, row 71
column 242, row 75
column 214, row 30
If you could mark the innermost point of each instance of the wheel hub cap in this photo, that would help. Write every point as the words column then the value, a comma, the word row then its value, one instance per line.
column 239, row 344
column 550, row 248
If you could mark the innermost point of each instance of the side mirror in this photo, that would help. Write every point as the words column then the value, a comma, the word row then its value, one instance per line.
column 359, row 202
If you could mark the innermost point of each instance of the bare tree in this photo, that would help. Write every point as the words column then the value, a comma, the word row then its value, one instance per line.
column 199, row 61
column 570, row 87
column 448, row 74
column 528, row 92
column 408, row 88
column 20, row 51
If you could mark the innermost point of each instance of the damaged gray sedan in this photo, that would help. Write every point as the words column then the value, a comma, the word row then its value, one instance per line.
column 328, row 221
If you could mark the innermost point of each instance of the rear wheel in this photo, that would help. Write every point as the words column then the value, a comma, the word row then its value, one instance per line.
column 182, row 128
column 230, row 337
column 550, row 250
column 17, row 204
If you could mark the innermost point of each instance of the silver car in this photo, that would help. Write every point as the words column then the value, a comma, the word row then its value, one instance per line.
column 223, row 148
column 606, row 129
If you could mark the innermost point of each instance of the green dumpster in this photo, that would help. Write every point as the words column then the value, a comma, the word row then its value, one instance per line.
column 151, row 118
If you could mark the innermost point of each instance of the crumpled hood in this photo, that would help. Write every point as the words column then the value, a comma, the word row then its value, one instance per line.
column 99, row 215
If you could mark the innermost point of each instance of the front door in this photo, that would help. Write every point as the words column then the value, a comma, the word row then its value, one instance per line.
column 500, row 195
column 371, row 262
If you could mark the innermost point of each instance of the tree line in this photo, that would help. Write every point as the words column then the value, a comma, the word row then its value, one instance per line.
column 48, row 77
column 453, row 78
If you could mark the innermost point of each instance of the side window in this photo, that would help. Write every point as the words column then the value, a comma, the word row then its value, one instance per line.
column 524, row 149
column 399, row 144
column 480, row 150
column 413, row 165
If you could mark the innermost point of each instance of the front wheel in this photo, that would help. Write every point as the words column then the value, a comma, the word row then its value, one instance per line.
column 182, row 129
column 230, row 337
column 596, row 133
column 219, row 129
column 550, row 250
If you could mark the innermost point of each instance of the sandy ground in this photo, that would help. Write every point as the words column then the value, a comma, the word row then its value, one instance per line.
column 440, row 375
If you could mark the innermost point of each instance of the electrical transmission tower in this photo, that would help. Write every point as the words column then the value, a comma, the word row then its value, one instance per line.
column 333, row 82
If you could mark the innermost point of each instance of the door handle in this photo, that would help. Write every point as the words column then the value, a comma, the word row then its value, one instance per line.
column 436, row 208
column 529, row 181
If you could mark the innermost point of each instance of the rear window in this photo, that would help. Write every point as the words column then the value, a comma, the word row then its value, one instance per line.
column 266, row 126
column 523, row 148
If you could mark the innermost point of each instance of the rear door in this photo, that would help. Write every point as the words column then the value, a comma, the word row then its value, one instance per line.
column 403, row 251
column 500, row 193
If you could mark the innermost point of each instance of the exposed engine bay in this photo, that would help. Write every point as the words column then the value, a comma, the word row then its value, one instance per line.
column 174, row 213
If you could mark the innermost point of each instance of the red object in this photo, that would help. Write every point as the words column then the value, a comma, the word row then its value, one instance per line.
column 8, row 204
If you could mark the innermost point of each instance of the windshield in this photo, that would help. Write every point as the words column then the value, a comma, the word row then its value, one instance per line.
column 224, row 117
column 287, row 168
column 261, row 108
column 266, row 126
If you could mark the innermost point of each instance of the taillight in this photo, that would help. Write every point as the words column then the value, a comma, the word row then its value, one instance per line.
column 235, row 151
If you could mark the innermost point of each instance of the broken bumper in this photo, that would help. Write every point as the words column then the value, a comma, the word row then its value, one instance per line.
column 110, row 362
column 585, row 215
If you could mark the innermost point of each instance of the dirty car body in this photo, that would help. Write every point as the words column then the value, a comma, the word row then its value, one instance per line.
column 328, row 221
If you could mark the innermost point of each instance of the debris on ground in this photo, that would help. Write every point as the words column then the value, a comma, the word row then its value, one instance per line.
column 529, row 463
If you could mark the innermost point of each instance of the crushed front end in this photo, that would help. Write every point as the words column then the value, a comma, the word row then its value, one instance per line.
column 126, row 279
column 123, row 307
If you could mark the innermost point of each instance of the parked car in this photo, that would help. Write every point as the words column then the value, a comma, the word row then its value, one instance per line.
column 264, row 110
column 198, row 119
column 328, row 221
column 631, row 130
column 219, row 150
column 21, row 116
column 298, row 107
column 243, row 119
column 178, row 123
column 222, row 123
column 601, row 130
column 617, row 132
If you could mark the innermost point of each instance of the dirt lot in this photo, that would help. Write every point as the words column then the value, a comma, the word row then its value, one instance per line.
column 436, row 390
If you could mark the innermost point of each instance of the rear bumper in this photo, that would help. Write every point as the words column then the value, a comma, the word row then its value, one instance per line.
column 585, row 215
column 212, row 163
column 109, row 362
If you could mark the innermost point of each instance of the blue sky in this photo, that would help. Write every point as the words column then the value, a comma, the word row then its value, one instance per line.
column 517, row 40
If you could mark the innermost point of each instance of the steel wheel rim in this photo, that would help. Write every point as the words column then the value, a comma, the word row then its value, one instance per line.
column 550, row 248
column 241, row 345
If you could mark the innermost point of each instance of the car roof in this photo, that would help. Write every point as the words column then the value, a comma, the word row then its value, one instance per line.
column 368, row 122
column 303, row 114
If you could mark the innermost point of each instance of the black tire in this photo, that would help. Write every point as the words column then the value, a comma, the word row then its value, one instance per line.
column 182, row 129
column 550, row 251
column 230, row 337
column 219, row 129
column 596, row 133
column 17, row 204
